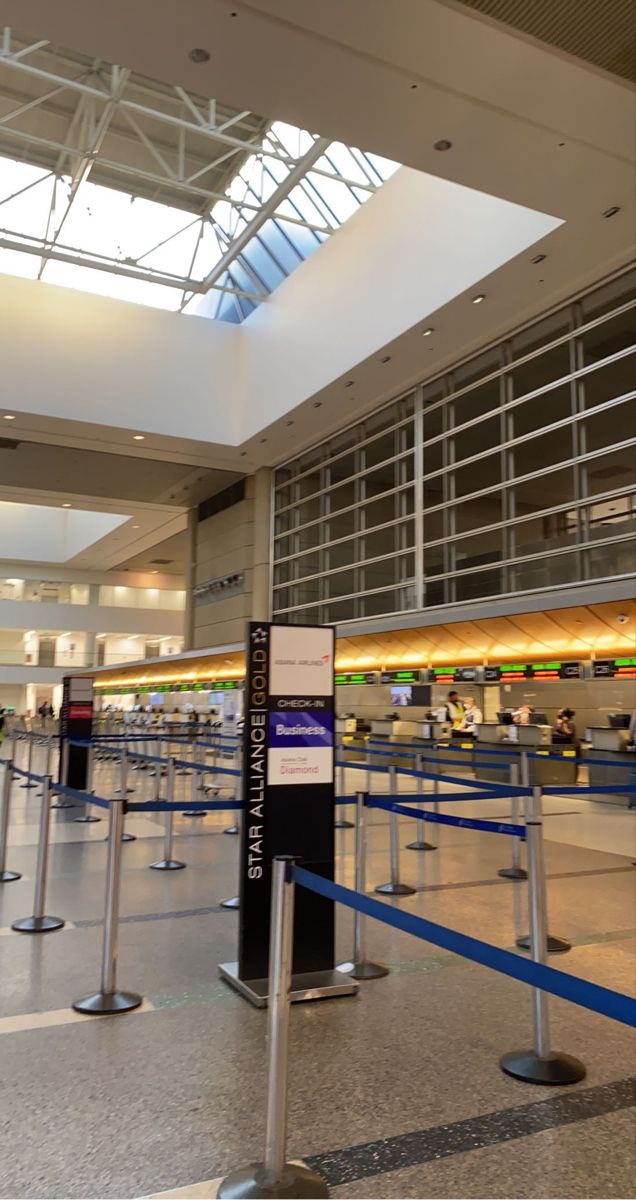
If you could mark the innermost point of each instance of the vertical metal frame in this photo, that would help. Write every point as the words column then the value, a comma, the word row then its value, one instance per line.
column 418, row 487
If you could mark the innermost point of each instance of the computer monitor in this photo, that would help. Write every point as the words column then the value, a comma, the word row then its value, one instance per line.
column 618, row 720
column 504, row 718
column 539, row 718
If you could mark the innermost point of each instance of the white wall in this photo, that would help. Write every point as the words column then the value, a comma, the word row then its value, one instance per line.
column 13, row 695
column 22, row 614
column 417, row 243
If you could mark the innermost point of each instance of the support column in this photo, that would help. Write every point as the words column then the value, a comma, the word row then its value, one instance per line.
column 191, row 562
column 261, row 572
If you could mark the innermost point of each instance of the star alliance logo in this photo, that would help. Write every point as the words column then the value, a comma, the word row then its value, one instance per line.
column 259, row 636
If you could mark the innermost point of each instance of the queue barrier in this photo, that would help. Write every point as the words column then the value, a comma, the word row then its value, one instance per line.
column 516, row 749
column 390, row 804
column 276, row 1176
column 419, row 754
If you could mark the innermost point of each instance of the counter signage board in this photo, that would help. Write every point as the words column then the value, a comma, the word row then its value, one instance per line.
column 288, row 788
column 401, row 677
column 614, row 668
column 511, row 672
column 452, row 674
column 355, row 677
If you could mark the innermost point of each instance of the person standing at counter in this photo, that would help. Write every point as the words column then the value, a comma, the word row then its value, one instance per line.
column 472, row 718
column 564, row 727
column 455, row 709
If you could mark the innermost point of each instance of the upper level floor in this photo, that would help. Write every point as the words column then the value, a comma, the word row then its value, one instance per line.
column 107, row 595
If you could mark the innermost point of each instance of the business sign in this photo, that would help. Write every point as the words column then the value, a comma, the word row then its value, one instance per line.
column 614, row 668
column 288, row 787
column 512, row 672
column 452, row 674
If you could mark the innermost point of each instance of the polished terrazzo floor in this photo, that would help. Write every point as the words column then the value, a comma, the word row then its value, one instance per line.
column 396, row 1092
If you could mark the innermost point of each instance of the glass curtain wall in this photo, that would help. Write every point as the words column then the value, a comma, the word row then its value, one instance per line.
column 514, row 472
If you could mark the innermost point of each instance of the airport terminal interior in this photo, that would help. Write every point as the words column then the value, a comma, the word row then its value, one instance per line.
column 317, row 608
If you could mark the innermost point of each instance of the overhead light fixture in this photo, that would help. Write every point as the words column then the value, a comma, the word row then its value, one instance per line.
column 9, row 417
column 611, row 212
column 262, row 441
column 288, row 423
column 317, row 403
column 443, row 144
column 15, row 581
column 478, row 299
column 198, row 55
column 135, row 527
column 67, row 504
column 385, row 358
column 243, row 454
column 350, row 383
column 428, row 332
column 538, row 258
column 139, row 437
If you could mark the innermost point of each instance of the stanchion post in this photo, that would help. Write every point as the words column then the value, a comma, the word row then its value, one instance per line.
column 39, row 923
column 515, row 870
column 235, row 828
column 89, row 818
column 341, row 822
column 420, row 842
column 275, row 1177
column 29, row 783
column 168, row 863
column 556, row 945
column 7, row 779
column 109, row 999
column 394, row 887
column 541, row 1064
column 233, row 901
column 360, row 967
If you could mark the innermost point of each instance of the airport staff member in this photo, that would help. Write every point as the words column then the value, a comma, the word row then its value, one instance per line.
column 455, row 709
column 472, row 719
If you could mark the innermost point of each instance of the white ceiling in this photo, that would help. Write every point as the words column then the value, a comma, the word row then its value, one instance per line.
column 56, row 534
column 526, row 123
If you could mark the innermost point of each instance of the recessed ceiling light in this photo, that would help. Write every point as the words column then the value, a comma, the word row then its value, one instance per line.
column 317, row 403
column 386, row 358
column 199, row 55
column 478, row 299
column 154, row 572
column 537, row 259
column 9, row 417
column 66, row 504
column 262, row 440
column 288, row 423
column 139, row 437
column 243, row 453
column 428, row 332
column 135, row 527
column 611, row 212
column 350, row 383
column 443, row 144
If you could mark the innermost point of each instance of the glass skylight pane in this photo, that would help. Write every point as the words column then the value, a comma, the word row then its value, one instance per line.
column 106, row 283
column 12, row 262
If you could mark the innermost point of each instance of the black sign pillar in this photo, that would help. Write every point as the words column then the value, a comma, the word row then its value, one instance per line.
column 288, row 797
column 76, row 724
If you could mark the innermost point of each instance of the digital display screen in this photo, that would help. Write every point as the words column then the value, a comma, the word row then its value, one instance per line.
column 452, row 674
column 400, row 677
column 614, row 668
column 401, row 695
column 357, row 677
column 509, row 672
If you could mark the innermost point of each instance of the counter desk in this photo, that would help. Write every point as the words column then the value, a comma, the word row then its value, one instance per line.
column 604, row 747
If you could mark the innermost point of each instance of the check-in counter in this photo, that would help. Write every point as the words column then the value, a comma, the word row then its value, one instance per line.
column 554, row 764
column 417, row 736
column 606, row 746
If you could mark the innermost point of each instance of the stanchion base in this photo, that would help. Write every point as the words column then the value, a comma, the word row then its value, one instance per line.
column 108, row 1003
column 314, row 985
column 420, row 846
column 194, row 813
column 557, row 1069
column 89, row 819
column 63, row 804
column 233, row 902
column 343, row 824
column 363, row 970
column 395, row 889
column 232, row 829
column 167, row 864
column 297, row 1182
column 9, row 876
column 513, row 873
column 127, row 837
column 556, row 945
column 37, row 924
column 28, row 786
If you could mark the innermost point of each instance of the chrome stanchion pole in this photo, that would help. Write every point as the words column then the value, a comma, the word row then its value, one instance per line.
column 7, row 779
column 29, row 783
column 360, row 967
column 236, row 761
column 541, row 1064
column 233, row 901
column 39, row 923
column 195, row 787
column 394, row 887
column 123, row 790
column 275, row 1177
column 168, row 863
column 556, row 945
column 515, row 870
column 420, row 842
column 109, row 999
column 341, row 821
column 89, row 818
column 63, row 801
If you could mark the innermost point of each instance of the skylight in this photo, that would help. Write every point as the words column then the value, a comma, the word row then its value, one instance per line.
column 284, row 201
